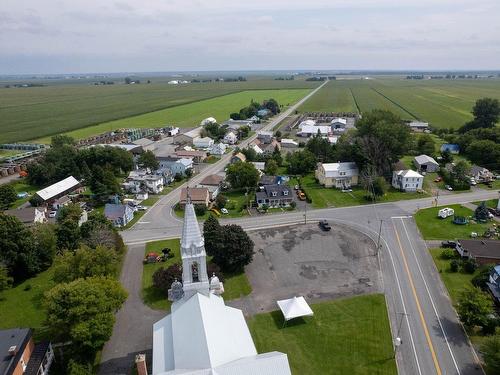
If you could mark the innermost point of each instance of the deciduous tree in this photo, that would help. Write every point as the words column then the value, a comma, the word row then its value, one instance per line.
column 8, row 196
column 148, row 160
column 234, row 250
column 242, row 175
column 474, row 307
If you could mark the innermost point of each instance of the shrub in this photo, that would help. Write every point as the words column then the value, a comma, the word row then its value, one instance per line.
column 200, row 209
column 480, row 280
column 490, row 348
column 221, row 201
column 164, row 277
column 448, row 254
column 469, row 266
column 293, row 204
column 454, row 265
column 490, row 325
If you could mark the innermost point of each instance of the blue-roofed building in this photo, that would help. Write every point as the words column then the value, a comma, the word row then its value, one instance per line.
column 119, row 214
column 451, row 147
column 494, row 283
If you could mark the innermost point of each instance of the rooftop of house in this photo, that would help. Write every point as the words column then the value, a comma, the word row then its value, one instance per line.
column 267, row 180
column 422, row 159
column 339, row 167
column 280, row 190
column 114, row 211
column 408, row 173
column 265, row 133
column 25, row 215
column 212, row 179
column 196, row 194
column 15, row 337
column 193, row 153
column 259, row 165
column 482, row 248
column 476, row 169
column 240, row 156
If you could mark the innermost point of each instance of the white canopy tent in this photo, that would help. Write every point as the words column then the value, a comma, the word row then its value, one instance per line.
column 294, row 308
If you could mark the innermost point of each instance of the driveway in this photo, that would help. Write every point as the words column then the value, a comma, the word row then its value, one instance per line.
column 303, row 260
column 133, row 330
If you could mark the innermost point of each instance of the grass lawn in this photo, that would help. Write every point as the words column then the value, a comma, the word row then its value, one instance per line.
column 492, row 203
column 433, row 228
column 331, row 197
column 22, row 186
column 21, row 306
column 347, row 336
column 150, row 201
column 235, row 285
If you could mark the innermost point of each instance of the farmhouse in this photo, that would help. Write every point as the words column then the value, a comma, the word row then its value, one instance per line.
column 274, row 196
column 230, row 138
column 407, row 180
column 20, row 354
column 426, row 163
column 119, row 214
column 202, row 335
column 57, row 190
column 418, row 126
column 198, row 195
column 339, row 175
column 483, row 251
column 28, row 215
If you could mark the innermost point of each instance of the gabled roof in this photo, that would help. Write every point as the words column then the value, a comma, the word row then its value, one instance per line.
column 60, row 187
column 339, row 119
column 114, row 211
column 408, row 173
column 18, row 337
column 240, row 156
column 212, row 179
column 422, row 159
column 482, row 248
column 25, row 215
column 196, row 194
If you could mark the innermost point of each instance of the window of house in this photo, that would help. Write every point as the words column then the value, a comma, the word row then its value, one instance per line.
column 285, row 192
column 274, row 193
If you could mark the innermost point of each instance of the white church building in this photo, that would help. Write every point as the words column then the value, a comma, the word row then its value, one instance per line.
column 203, row 336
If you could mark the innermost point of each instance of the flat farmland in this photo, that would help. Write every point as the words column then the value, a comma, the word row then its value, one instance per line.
column 37, row 112
column 442, row 103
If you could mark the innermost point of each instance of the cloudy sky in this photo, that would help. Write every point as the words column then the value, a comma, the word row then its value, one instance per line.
column 71, row 36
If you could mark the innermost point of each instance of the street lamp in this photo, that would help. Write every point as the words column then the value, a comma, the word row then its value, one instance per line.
column 397, row 344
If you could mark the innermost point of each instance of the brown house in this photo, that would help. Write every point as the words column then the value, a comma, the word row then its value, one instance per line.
column 20, row 355
column 197, row 156
column 483, row 251
column 198, row 196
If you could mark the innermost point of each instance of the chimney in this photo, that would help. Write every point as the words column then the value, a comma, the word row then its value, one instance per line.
column 13, row 350
column 140, row 362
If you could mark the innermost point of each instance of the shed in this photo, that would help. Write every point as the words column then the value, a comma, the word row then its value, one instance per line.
column 295, row 307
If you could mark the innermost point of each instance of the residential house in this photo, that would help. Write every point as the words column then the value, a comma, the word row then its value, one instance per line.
column 230, row 138
column 256, row 148
column 237, row 124
column 188, row 137
column 481, row 174
column 153, row 183
column 340, row 175
column 259, row 165
column 59, row 189
column 407, row 180
column 119, row 214
column 28, row 215
column 197, row 155
column 213, row 183
column 198, row 195
column 255, row 119
column 425, row 163
column 494, row 283
column 453, row 148
column 218, row 149
column 20, row 355
column 139, row 181
column 483, row 251
column 338, row 124
column 238, row 157
column 61, row 202
column 175, row 164
column 142, row 196
column 268, row 148
column 288, row 143
column 203, row 142
column 274, row 196
column 265, row 136
column 418, row 126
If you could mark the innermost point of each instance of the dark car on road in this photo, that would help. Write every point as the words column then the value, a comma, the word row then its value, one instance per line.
column 323, row 224
column 449, row 244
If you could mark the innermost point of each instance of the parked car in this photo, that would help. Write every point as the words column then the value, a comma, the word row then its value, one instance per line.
column 448, row 187
column 494, row 211
column 224, row 211
column 141, row 208
column 301, row 195
column 346, row 190
column 296, row 187
column 52, row 214
column 323, row 224
column 438, row 179
column 448, row 244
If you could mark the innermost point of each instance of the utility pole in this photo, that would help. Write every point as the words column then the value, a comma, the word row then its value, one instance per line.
column 379, row 233
column 305, row 211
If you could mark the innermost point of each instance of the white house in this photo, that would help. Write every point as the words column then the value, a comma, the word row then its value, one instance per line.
column 338, row 123
column 218, row 149
column 176, row 165
column 312, row 130
column 202, row 335
column 257, row 149
column 339, row 175
column 203, row 142
column 288, row 143
column 407, row 180
column 230, row 138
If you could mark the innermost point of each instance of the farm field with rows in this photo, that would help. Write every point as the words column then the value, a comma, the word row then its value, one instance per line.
column 35, row 112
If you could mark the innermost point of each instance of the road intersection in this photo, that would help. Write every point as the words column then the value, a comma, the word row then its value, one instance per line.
column 421, row 315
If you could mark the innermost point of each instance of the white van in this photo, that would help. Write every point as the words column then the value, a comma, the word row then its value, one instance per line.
column 446, row 212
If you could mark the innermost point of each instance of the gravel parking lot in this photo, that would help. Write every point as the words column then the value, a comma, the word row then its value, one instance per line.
column 304, row 260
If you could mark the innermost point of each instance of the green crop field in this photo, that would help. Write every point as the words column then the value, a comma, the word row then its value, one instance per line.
column 190, row 115
column 442, row 103
column 36, row 112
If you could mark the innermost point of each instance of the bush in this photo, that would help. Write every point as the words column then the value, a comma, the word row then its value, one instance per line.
column 200, row 209
column 448, row 254
column 490, row 325
column 480, row 280
column 293, row 204
column 454, row 265
column 221, row 201
column 164, row 277
column 77, row 368
column 470, row 266
column 490, row 348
